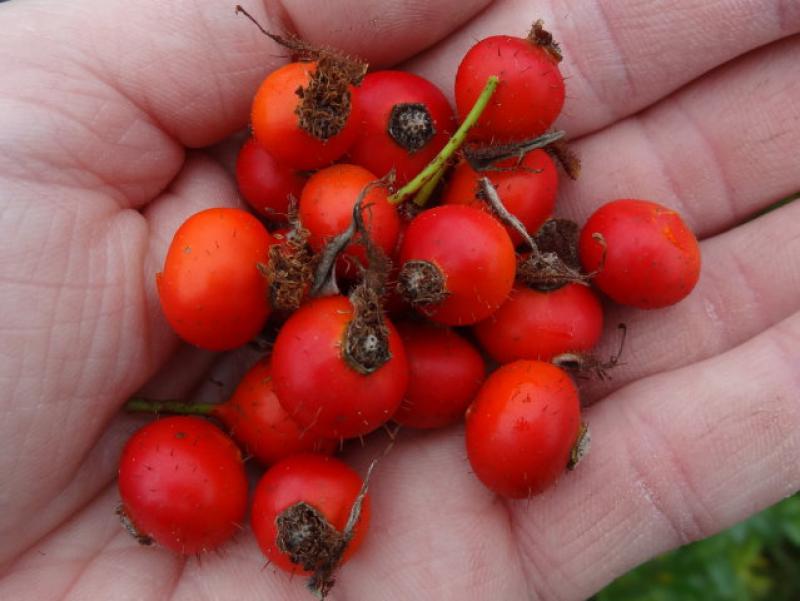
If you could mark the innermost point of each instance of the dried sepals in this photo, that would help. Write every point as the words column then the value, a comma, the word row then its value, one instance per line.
column 565, row 157
column 313, row 543
column 290, row 270
column 366, row 340
column 587, row 365
column 485, row 158
column 326, row 102
column 539, row 36
column 560, row 236
column 124, row 519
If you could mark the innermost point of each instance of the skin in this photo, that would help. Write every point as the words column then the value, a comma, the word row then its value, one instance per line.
column 108, row 113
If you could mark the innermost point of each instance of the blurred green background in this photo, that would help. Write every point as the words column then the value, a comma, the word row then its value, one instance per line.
column 756, row 560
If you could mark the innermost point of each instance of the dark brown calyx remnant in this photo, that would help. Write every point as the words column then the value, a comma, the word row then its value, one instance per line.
column 312, row 542
column 581, row 447
column 560, row 236
column 411, row 125
column 366, row 339
column 565, row 157
column 539, row 36
column 308, row 538
column 325, row 103
column 127, row 523
column 290, row 269
column 587, row 365
column 537, row 269
column 421, row 284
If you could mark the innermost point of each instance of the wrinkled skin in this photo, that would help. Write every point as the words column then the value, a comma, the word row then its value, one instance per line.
column 113, row 117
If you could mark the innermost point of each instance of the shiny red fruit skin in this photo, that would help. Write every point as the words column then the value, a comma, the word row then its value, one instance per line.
column 534, row 324
column 528, row 98
column 211, row 290
column 326, row 210
column 527, row 189
column 264, row 183
column 257, row 421
column 522, row 427
column 475, row 254
column 182, row 482
column 316, row 384
column 277, row 128
column 374, row 148
column 325, row 483
column 652, row 258
column 445, row 371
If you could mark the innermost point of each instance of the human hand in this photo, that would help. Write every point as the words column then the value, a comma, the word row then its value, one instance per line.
column 105, row 109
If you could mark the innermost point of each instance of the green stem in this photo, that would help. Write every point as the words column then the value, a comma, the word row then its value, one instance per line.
column 424, row 194
column 435, row 168
column 142, row 405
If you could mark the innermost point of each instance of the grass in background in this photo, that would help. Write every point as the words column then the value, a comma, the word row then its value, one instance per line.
column 756, row 560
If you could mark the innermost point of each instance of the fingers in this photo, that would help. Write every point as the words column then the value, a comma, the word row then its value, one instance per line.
column 82, row 331
column 620, row 57
column 37, row 510
column 437, row 533
column 748, row 282
column 675, row 457
column 92, row 557
column 192, row 67
column 384, row 32
column 717, row 151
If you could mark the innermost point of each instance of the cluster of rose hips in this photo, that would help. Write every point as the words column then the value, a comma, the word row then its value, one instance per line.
column 383, row 310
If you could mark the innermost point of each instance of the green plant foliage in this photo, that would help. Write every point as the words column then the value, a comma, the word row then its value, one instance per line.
column 756, row 560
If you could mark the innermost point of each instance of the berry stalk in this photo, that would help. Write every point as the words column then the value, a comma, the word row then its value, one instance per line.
column 142, row 405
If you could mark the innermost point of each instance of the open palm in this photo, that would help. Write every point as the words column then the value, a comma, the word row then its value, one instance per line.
column 105, row 109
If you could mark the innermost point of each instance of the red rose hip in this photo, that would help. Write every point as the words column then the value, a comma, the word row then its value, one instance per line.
column 457, row 264
column 643, row 253
column 445, row 372
column 522, row 428
column 320, row 375
column 300, row 509
column 530, row 94
column 182, row 483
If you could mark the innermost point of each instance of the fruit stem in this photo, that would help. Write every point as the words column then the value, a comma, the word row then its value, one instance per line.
column 421, row 199
column 142, row 405
column 435, row 168
column 488, row 193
